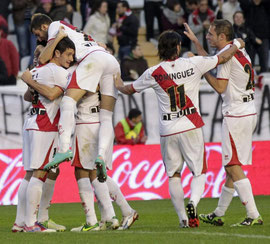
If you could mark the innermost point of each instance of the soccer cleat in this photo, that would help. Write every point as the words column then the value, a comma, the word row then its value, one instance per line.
column 50, row 224
column 17, row 228
column 113, row 223
column 101, row 169
column 59, row 158
column 212, row 219
column 128, row 220
column 184, row 224
column 38, row 227
column 86, row 227
column 193, row 219
column 249, row 222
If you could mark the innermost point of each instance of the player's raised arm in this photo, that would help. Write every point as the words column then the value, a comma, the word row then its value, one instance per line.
column 47, row 52
column 50, row 93
column 119, row 84
column 189, row 33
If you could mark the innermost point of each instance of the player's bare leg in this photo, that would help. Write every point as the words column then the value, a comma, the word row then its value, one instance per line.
column 87, row 200
column 102, row 193
column 66, row 124
column 21, row 207
column 243, row 187
column 177, row 197
column 217, row 217
column 106, row 134
column 45, row 202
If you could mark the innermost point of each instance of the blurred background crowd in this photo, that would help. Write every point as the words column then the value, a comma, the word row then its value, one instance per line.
column 131, row 28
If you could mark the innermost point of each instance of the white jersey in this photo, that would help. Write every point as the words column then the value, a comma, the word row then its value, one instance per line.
column 50, row 75
column 88, row 109
column 84, row 44
column 176, row 84
column 238, row 99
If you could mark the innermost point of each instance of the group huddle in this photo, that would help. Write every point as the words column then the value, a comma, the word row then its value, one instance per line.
column 74, row 88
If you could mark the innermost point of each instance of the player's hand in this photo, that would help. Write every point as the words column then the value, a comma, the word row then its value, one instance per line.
column 118, row 82
column 189, row 33
column 101, row 44
column 26, row 76
column 61, row 33
column 241, row 42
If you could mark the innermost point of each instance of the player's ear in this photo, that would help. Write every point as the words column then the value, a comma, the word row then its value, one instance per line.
column 57, row 53
column 44, row 27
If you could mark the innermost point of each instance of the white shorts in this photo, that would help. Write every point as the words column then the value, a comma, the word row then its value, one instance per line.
column 85, row 146
column 38, row 148
column 98, row 67
column 237, row 140
column 187, row 146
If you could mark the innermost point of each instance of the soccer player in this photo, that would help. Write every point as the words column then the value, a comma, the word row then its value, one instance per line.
column 95, row 67
column 176, row 83
column 85, row 145
column 49, row 81
column 235, row 83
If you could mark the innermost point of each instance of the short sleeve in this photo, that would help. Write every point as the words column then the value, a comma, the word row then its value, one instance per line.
column 224, row 70
column 61, row 78
column 146, row 80
column 53, row 30
column 205, row 63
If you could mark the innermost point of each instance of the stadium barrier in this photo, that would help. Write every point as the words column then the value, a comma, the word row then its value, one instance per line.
column 13, row 110
column 140, row 173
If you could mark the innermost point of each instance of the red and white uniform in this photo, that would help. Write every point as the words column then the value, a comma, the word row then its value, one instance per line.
column 95, row 64
column 85, row 144
column 238, row 109
column 41, row 126
column 176, row 84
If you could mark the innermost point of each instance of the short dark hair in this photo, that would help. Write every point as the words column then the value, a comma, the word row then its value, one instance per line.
column 224, row 26
column 64, row 44
column 134, row 113
column 125, row 4
column 38, row 20
column 167, row 44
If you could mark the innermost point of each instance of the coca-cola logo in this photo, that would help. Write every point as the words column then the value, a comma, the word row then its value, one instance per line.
column 138, row 170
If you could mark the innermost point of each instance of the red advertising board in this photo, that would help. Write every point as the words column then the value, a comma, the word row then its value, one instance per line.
column 140, row 173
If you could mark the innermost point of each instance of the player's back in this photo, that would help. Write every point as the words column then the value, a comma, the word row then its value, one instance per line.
column 84, row 44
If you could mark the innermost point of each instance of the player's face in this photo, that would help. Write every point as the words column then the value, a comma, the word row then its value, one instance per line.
column 212, row 37
column 41, row 34
column 66, row 58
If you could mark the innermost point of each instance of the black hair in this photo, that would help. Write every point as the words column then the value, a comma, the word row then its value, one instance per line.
column 64, row 44
column 97, row 4
column 224, row 26
column 125, row 4
column 134, row 113
column 38, row 20
column 167, row 44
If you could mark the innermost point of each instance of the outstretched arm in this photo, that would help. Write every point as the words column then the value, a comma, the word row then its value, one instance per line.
column 50, row 93
column 119, row 84
column 47, row 52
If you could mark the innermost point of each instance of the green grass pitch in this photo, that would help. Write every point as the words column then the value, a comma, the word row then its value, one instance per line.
column 158, row 223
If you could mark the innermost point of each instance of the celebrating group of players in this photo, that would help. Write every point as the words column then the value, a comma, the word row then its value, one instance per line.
column 62, row 88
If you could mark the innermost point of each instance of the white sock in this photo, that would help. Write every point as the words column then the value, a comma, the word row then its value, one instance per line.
column 224, row 200
column 106, row 132
column 66, row 122
column 87, row 198
column 20, row 215
column 177, row 197
column 33, row 196
column 118, row 197
column 45, row 202
column 102, row 193
column 197, row 188
column 244, row 190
